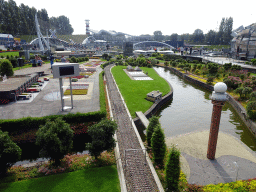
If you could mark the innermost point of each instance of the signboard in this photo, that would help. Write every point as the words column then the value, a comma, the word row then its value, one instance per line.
column 61, row 70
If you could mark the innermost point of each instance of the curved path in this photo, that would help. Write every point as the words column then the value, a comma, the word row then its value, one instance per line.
column 137, row 173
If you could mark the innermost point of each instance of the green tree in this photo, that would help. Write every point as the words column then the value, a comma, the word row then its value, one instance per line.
column 10, row 153
column 62, row 25
column 158, row 36
column 198, row 36
column 55, row 139
column 210, row 37
column 153, row 122
column 251, row 109
column 247, row 91
column 172, row 169
column 102, row 137
column 158, row 145
column 6, row 68
column 239, row 91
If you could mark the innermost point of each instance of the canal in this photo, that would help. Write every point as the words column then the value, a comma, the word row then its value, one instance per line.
column 191, row 108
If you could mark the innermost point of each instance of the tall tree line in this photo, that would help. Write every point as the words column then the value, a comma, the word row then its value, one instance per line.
column 20, row 20
column 220, row 37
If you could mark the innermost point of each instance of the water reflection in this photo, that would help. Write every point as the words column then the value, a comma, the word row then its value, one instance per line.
column 191, row 109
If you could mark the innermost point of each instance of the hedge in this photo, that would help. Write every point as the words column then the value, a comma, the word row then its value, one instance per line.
column 28, row 123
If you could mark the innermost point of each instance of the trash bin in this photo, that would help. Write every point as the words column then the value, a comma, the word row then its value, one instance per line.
column 20, row 62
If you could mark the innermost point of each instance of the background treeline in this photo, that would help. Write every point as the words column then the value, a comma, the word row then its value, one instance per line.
column 220, row 37
column 20, row 20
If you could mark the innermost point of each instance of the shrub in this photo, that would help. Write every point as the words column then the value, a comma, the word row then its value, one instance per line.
column 227, row 66
column 251, row 109
column 210, row 80
column 153, row 121
column 253, row 96
column 158, row 145
column 102, row 137
column 253, row 61
column 239, row 91
column 73, row 60
column 213, row 68
column 181, row 65
column 172, row 169
column 55, row 139
column 247, row 91
column 236, row 67
column 9, row 152
column 6, row 68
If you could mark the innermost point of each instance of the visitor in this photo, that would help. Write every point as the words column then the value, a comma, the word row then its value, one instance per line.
column 63, row 59
column 181, row 50
column 51, row 59
column 38, row 60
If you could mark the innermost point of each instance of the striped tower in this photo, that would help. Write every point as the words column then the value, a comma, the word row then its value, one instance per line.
column 87, row 24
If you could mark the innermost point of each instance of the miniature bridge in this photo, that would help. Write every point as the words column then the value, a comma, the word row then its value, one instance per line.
column 138, row 172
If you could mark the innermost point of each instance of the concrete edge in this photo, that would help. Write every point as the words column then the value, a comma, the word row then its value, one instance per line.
column 157, row 180
column 241, row 111
column 117, row 154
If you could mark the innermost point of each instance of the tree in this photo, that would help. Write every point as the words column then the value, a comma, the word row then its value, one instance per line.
column 153, row 121
column 102, row 137
column 198, row 36
column 239, row 91
column 210, row 37
column 174, row 37
column 55, row 139
column 6, row 68
column 251, row 109
column 9, row 152
column 158, row 36
column 62, row 25
column 158, row 145
column 247, row 91
column 172, row 169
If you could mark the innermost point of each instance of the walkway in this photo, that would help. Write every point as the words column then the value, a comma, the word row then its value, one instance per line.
column 137, row 173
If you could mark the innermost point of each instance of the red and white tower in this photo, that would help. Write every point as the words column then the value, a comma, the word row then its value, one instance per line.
column 87, row 24
column 218, row 100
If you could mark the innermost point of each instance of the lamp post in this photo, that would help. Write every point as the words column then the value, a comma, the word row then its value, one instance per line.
column 218, row 100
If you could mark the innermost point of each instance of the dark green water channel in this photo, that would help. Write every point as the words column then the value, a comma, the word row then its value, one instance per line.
column 191, row 110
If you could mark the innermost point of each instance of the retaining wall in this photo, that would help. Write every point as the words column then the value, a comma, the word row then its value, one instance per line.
column 236, row 105
column 156, row 106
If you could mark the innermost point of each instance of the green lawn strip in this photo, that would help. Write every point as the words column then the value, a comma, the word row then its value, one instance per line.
column 89, row 180
column 135, row 92
column 13, row 53
column 102, row 92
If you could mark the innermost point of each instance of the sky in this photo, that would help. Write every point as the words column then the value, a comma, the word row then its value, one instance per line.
column 137, row 17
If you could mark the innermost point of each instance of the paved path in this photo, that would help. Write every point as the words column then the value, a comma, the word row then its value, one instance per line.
column 137, row 173
column 42, row 106
column 234, row 160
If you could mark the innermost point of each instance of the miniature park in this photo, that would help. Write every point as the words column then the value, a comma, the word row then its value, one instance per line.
column 109, row 148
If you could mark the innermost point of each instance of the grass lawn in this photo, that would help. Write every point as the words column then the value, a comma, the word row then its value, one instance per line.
column 13, row 53
column 89, row 180
column 135, row 92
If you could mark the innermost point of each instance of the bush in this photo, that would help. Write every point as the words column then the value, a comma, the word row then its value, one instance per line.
column 73, row 60
column 236, row 67
column 253, row 61
column 55, row 139
column 247, row 91
column 158, row 145
column 253, row 96
column 210, row 80
column 227, row 66
column 6, row 68
column 251, row 109
column 239, row 91
column 172, row 169
column 213, row 68
column 102, row 137
column 153, row 121
column 10, row 153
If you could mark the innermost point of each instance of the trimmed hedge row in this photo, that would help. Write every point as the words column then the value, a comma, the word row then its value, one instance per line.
column 28, row 123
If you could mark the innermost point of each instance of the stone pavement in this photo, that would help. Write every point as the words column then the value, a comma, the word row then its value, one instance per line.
column 233, row 159
column 41, row 105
